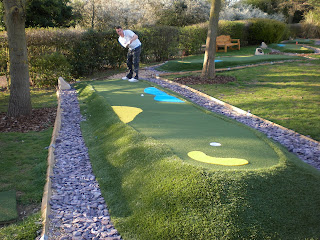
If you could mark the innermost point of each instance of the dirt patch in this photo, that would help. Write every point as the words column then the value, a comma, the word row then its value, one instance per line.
column 192, row 80
column 40, row 119
column 3, row 82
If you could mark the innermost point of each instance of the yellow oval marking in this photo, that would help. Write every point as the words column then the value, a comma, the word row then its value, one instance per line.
column 126, row 114
column 202, row 157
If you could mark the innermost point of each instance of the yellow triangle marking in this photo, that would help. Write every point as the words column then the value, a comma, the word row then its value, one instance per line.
column 126, row 114
column 202, row 157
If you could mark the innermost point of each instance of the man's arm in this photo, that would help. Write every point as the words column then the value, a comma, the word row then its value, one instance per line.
column 135, row 37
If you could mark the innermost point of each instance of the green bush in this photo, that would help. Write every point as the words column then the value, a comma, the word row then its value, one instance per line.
column 46, row 69
column 236, row 29
column 311, row 24
column 91, row 50
column 192, row 37
column 295, row 30
column 56, row 38
column 115, row 54
column 95, row 51
column 3, row 61
column 266, row 30
column 310, row 30
column 87, row 54
column 159, row 43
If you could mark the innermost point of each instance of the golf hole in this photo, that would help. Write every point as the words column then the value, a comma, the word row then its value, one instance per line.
column 215, row 144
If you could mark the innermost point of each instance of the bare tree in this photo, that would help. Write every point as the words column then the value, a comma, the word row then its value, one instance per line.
column 208, row 70
column 20, row 100
column 292, row 6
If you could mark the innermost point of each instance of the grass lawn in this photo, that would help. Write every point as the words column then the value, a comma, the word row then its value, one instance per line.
column 287, row 94
column 152, row 194
column 39, row 98
column 8, row 206
column 23, row 165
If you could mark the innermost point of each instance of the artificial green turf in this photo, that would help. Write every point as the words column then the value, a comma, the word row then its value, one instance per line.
column 291, row 48
column 194, row 63
column 8, row 206
column 153, row 194
column 287, row 94
column 185, row 128
column 300, row 41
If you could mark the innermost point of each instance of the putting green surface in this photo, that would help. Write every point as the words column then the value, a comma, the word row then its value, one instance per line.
column 197, row 136
column 291, row 48
column 194, row 63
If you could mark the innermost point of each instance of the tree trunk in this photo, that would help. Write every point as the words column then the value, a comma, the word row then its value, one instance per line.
column 19, row 101
column 93, row 14
column 208, row 70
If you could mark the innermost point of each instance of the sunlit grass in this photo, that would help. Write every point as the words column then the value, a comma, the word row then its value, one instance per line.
column 39, row 98
column 24, row 230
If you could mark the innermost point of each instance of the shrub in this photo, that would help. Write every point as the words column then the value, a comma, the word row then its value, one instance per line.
column 191, row 38
column 159, row 42
column 236, row 29
column 311, row 24
column 91, row 53
column 3, row 61
column 46, row 70
column 295, row 30
column 115, row 55
column 266, row 30
column 310, row 30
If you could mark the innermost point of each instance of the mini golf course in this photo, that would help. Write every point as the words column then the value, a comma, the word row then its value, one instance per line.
column 194, row 63
column 197, row 136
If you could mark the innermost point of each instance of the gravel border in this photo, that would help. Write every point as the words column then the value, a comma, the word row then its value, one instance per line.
column 77, row 208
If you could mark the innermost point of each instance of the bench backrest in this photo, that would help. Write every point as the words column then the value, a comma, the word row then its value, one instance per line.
column 223, row 39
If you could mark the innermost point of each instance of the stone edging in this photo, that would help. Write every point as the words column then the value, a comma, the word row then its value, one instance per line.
column 45, row 206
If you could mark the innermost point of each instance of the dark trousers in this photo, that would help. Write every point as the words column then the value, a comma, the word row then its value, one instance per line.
column 133, row 59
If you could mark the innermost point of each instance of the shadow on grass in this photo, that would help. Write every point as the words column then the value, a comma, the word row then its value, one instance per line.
column 96, row 135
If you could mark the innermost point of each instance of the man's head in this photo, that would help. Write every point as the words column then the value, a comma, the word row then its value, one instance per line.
column 119, row 30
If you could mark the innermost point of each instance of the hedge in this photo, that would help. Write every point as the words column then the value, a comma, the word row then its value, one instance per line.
column 79, row 53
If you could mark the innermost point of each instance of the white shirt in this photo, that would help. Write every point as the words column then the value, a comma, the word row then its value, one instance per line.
column 128, row 35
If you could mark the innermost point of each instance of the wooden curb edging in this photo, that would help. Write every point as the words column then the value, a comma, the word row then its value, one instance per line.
column 45, row 205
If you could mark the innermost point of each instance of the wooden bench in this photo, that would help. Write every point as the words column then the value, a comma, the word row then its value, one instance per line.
column 225, row 42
